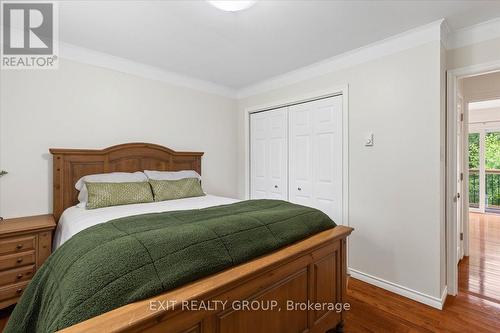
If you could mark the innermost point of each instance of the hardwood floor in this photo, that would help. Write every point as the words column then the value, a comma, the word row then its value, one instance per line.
column 475, row 309
column 480, row 272
column 376, row 310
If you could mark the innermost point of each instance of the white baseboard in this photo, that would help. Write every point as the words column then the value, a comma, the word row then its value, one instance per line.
column 443, row 296
column 435, row 302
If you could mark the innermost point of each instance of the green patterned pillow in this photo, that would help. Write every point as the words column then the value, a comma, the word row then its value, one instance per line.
column 115, row 194
column 176, row 189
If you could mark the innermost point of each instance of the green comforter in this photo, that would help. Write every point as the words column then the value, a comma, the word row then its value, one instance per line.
column 129, row 259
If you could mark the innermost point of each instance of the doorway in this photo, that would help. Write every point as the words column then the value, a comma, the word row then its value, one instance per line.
column 475, row 209
column 478, row 272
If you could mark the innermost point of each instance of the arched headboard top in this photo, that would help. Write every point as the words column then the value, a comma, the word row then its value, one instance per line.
column 72, row 164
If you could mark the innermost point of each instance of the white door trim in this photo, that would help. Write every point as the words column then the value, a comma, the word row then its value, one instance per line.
column 334, row 91
column 451, row 170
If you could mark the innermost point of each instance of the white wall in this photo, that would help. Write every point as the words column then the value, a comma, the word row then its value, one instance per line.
column 482, row 87
column 394, row 187
column 83, row 106
column 484, row 115
column 478, row 53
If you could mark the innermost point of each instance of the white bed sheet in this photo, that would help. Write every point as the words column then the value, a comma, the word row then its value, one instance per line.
column 76, row 219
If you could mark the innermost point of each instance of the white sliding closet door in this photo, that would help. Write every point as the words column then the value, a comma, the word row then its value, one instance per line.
column 315, row 155
column 269, row 154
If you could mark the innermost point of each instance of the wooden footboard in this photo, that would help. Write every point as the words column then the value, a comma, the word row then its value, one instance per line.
column 296, row 289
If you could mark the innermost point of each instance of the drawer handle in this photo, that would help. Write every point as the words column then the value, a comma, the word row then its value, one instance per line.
column 20, row 290
column 19, row 276
column 19, row 246
column 19, row 260
column 299, row 189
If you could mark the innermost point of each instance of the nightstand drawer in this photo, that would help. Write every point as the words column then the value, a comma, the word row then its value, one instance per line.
column 13, row 291
column 16, row 260
column 25, row 243
column 17, row 244
column 16, row 275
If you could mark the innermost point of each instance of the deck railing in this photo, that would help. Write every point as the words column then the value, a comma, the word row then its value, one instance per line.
column 492, row 192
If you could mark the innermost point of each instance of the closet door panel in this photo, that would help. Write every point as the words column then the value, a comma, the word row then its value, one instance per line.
column 278, row 154
column 269, row 155
column 327, row 156
column 258, row 156
column 316, row 155
column 300, row 185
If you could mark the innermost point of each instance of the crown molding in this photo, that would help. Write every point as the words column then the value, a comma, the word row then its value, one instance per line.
column 474, row 34
column 100, row 59
column 406, row 40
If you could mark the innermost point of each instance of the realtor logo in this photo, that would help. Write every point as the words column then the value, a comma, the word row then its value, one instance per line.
column 29, row 35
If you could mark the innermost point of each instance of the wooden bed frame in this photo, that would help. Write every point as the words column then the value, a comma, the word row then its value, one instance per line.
column 312, row 270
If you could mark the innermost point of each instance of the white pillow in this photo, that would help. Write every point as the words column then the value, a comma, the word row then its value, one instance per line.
column 171, row 175
column 112, row 177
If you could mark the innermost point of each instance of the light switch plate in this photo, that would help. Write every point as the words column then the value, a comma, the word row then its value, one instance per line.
column 369, row 140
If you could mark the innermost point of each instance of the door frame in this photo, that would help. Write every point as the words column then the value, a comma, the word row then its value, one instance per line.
column 451, row 168
column 302, row 98
column 460, row 150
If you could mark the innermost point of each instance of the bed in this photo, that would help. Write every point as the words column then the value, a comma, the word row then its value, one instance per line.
column 295, row 288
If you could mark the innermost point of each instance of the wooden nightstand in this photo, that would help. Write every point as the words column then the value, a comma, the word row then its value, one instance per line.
column 25, row 243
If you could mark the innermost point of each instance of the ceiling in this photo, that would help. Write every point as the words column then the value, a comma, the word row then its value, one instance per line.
column 235, row 50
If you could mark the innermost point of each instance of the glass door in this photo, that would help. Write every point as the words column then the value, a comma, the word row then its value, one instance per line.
column 492, row 170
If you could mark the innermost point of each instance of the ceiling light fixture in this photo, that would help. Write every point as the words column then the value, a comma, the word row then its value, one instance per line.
column 232, row 5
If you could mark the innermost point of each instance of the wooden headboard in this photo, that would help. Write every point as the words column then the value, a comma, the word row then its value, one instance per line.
column 72, row 164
